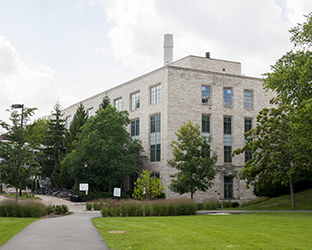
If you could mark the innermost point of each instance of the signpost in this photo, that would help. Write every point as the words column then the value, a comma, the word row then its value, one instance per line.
column 117, row 192
column 84, row 187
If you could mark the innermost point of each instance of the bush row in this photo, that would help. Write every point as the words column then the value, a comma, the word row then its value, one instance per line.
column 148, row 209
column 216, row 204
column 29, row 209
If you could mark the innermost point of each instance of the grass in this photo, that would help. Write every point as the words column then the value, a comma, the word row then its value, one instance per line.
column 303, row 201
column 237, row 231
column 24, row 196
column 11, row 226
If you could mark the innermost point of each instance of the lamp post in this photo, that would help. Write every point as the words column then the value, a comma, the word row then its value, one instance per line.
column 19, row 106
column 86, row 175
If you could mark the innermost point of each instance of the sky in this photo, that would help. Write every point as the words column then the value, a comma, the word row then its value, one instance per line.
column 66, row 51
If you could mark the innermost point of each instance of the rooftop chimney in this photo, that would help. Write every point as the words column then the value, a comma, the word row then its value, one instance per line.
column 168, row 48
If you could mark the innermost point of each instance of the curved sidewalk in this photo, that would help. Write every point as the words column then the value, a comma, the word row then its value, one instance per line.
column 71, row 232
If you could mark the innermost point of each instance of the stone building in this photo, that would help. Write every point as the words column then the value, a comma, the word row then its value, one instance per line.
column 207, row 91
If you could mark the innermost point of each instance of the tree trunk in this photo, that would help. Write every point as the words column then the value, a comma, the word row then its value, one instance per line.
column 192, row 195
column 293, row 205
column 16, row 193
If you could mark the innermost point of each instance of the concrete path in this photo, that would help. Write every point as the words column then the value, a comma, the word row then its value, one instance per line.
column 74, row 231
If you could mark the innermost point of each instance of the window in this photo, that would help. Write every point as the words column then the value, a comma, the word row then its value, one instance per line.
column 118, row 104
column 135, row 101
column 205, row 94
column 227, row 97
column 248, row 126
column 135, row 129
column 247, row 99
column 68, row 121
column 155, row 138
column 155, row 94
column 227, row 140
column 205, row 125
column 90, row 112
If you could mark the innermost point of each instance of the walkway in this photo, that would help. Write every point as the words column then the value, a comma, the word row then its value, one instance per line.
column 71, row 232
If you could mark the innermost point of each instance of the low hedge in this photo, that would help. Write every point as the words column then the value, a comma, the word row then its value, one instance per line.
column 149, row 209
column 254, row 201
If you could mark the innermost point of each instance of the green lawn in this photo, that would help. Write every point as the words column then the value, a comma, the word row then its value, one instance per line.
column 11, row 226
column 303, row 201
column 236, row 231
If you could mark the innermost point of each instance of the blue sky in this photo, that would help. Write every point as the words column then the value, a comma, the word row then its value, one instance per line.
column 67, row 51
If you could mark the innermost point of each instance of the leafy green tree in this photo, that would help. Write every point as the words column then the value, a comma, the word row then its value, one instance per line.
column 275, row 148
column 192, row 158
column 55, row 148
column 18, row 161
column 147, row 186
column 107, row 147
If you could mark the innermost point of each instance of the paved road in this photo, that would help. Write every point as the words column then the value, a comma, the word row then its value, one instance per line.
column 74, row 231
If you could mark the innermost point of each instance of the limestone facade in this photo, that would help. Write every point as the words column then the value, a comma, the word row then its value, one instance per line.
column 181, row 85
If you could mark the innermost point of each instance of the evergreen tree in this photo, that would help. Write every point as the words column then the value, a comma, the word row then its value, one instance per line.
column 105, row 102
column 55, row 149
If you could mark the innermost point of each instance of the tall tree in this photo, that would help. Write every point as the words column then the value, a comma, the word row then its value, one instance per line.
column 275, row 148
column 18, row 161
column 55, row 149
column 105, row 102
column 107, row 147
column 80, row 118
column 192, row 158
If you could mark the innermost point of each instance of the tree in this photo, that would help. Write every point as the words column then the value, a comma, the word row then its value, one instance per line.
column 105, row 102
column 147, row 186
column 275, row 148
column 80, row 118
column 107, row 147
column 18, row 161
column 192, row 157
column 55, row 149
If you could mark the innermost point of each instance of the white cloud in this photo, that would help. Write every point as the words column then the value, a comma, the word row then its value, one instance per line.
column 240, row 30
column 26, row 82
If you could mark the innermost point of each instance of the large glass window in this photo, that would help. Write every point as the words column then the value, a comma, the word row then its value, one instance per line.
column 247, row 99
column 205, row 94
column 118, row 104
column 248, row 126
column 135, row 129
column 155, row 94
column 227, row 97
column 227, row 128
column 205, row 125
column 135, row 101
column 155, row 138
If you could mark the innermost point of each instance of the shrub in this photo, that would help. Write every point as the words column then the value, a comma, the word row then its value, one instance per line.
column 224, row 204
column 164, row 210
column 230, row 204
column 13, row 209
column 148, row 209
column 89, row 206
column 156, row 209
column 235, row 204
column 132, row 209
column 96, row 206
column 50, row 209
column 124, row 210
column 140, row 210
column 105, row 212
column 113, row 211
column 172, row 209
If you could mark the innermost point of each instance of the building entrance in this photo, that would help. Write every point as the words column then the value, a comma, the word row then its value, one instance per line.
column 228, row 187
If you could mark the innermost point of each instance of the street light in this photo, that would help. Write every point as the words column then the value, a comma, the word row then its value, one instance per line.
column 86, row 172
column 19, row 106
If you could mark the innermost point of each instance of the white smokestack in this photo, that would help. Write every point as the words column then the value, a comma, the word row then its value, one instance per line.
column 168, row 48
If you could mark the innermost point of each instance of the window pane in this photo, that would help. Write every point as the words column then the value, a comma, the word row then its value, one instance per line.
column 155, row 94
column 205, row 124
column 155, row 138
column 227, row 125
column 227, row 154
column 227, row 97
column 247, row 99
column 205, row 94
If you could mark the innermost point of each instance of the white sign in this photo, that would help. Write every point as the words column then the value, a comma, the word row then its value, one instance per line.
column 117, row 192
column 83, row 187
